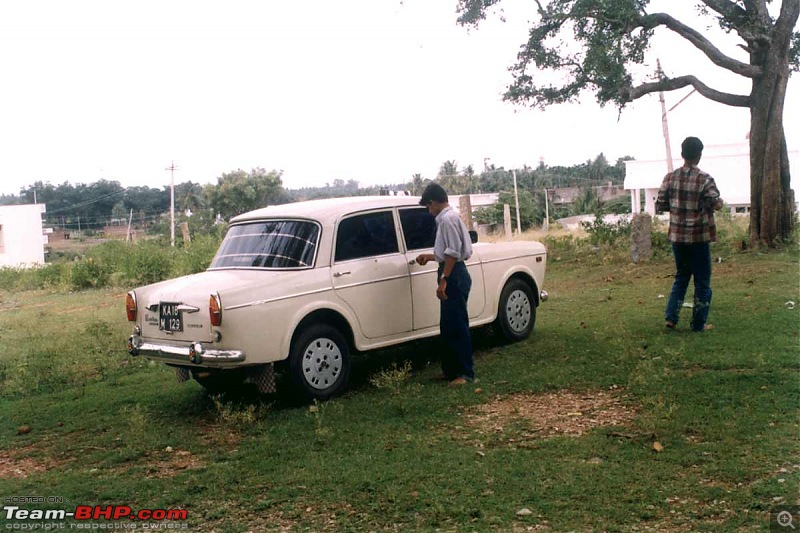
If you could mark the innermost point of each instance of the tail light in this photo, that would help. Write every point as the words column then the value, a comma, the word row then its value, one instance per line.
column 215, row 310
column 130, row 306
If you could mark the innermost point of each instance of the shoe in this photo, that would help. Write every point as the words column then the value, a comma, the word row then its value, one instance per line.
column 458, row 381
column 670, row 324
column 706, row 327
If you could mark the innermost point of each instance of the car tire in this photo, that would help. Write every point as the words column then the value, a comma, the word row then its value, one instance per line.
column 516, row 312
column 320, row 362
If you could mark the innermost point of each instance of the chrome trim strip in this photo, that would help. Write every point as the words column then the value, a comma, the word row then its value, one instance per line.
column 188, row 308
column 181, row 353
column 515, row 257
column 278, row 299
column 371, row 282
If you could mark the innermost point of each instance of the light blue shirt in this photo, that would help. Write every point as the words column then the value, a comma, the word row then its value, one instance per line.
column 452, row 238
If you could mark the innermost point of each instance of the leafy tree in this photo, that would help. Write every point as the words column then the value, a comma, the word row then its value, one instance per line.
column 239, row 191
column 189, row 196
column 614, row 35
column 417, row 184
column 586, row 202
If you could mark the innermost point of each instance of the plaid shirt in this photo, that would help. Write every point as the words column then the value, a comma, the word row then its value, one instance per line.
column 691, row 196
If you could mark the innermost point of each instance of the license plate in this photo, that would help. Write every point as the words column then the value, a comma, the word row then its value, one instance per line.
column 169, row 317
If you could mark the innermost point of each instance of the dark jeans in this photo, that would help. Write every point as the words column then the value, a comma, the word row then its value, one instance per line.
column 454, row 324
column 691, row 260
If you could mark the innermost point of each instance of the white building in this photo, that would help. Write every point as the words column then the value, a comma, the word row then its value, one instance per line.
column 728, row 164
column 22, row 239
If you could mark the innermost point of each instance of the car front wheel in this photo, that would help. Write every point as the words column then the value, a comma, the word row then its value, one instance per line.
column 320, row 361
column 516, row 314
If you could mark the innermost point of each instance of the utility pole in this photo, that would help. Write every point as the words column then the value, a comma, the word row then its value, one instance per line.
column 546, row 225
column 172, row 168
column 664, row 124
column 516, row 200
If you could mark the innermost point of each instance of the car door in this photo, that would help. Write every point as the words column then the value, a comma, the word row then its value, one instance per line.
column 371, row 275
column 419, row 234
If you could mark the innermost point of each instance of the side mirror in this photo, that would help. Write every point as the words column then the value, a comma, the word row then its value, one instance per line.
column 473, row 236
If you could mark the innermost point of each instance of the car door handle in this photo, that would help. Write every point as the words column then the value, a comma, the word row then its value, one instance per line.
column 412, row 262
column 340, row 274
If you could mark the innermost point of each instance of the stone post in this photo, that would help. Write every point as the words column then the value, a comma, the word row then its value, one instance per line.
column 641, row 239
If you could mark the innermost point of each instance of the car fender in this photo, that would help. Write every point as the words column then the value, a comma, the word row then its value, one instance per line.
column 312, row 308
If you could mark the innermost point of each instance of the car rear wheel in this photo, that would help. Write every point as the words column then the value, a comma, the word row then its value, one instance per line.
column 320, row 361
column 516, row 313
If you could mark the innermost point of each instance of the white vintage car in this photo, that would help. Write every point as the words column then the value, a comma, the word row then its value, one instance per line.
column 310, row 282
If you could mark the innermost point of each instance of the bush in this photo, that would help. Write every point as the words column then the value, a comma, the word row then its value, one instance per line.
column 89, row 273
column 602, row 232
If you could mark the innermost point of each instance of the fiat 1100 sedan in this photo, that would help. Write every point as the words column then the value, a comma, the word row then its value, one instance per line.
column 308, row 283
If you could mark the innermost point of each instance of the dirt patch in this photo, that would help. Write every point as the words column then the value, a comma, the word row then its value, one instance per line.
column 170, row 463
column 15, row 464
column 551, row 414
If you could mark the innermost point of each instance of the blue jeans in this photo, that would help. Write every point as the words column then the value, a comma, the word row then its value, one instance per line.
column 454, row 324
column 691, row 260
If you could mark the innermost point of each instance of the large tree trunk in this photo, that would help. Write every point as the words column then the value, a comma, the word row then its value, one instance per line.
column 771, row 198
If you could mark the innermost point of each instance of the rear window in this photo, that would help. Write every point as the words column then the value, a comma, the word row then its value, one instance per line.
column 270, row 244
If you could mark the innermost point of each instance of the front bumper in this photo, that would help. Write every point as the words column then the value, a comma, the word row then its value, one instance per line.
column 194, row 353
column 543, row 296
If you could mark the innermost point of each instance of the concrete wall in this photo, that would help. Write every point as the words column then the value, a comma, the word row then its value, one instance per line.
column 21, row 237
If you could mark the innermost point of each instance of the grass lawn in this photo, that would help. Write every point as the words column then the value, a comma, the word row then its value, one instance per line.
column 601, row 421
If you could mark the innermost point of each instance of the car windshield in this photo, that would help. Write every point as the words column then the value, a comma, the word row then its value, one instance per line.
column 270, row 244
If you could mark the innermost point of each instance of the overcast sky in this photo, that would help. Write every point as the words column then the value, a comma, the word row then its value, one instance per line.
column 371, row 90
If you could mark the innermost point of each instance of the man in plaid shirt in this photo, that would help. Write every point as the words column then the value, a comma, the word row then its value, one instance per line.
column 691, row 197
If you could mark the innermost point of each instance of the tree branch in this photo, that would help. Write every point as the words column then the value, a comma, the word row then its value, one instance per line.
column 790, row 10
column 727, row 9
column 701, row 43
column 759, row 8
column 671, row 84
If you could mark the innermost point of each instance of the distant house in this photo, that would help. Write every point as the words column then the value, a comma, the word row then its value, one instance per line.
column 22, row 238
column 728, row 164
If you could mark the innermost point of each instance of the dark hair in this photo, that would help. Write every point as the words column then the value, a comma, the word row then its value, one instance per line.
column 691, row 148
column 433, row 193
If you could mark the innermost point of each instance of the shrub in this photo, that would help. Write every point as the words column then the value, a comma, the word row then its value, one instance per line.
column 89, row 273
column 602, row 232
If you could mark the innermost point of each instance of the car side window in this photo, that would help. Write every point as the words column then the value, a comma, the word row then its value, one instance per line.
column 419, row 228
column 366, row 235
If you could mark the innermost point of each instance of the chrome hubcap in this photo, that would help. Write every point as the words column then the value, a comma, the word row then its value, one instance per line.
column 322, row 363
column 518, row 311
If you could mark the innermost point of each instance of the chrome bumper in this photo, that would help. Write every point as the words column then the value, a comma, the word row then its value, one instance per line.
column 543, row 296
column 195, row 353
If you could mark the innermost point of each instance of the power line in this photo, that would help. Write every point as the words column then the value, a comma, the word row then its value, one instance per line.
column 88, row 202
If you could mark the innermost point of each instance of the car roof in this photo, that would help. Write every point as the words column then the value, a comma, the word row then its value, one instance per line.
column 329, row 210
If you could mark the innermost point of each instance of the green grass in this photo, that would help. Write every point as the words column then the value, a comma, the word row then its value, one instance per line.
column 400, row 452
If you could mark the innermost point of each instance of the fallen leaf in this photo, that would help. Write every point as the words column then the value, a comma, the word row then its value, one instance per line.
column 658, row 447
column 24, row 430
column 524, row 512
